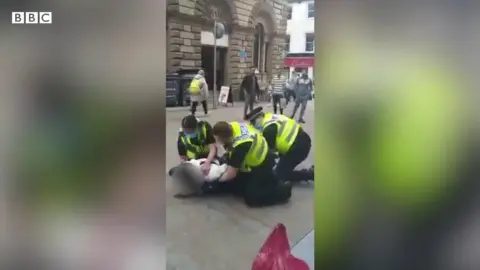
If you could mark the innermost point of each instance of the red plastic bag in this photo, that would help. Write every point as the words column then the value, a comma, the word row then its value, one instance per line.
column 275, row 253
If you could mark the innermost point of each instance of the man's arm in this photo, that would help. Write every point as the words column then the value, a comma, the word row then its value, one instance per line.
column 270, row 135
column 210, row 140
column 236, row 160
column 242, row 84
column 204, row 84
column 182, row 150
column 310, row 85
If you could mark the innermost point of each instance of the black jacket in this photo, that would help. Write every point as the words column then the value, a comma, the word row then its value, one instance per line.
column 247, row 83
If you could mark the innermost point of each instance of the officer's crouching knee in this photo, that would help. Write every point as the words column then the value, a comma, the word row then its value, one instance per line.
column 284, row 192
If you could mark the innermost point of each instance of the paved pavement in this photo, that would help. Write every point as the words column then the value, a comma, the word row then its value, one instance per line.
column 222, row 233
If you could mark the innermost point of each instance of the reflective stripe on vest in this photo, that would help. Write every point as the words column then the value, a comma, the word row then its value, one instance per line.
column 260, row 144
column 286, row 136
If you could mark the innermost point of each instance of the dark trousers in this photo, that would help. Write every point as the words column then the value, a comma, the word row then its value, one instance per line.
column 195, row 104
column 276, row 100
column 259, row 187
column 249, row 101
column 297, row 154
column 289, row 94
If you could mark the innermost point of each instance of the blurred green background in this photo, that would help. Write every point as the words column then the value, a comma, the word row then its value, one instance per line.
column 66, row 155
column 390, row 132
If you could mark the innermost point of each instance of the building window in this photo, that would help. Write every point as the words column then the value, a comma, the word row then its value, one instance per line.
column 266, row 48
column 311, row 10
column 309, row 42
column 259, row 47
column 287, row 44
column 289, row 14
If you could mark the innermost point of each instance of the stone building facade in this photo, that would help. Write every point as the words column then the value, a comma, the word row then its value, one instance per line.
column 256, row 36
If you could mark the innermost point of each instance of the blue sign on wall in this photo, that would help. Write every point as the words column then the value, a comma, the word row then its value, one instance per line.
column 243, row 54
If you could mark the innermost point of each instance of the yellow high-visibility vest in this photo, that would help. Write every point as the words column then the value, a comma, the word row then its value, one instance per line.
column 196, row 150
column 287, row 131
column 243, row 133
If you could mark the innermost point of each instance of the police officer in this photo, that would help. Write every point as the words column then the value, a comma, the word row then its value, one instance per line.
column 250, row 165
column 286, row 137
column 195, row 140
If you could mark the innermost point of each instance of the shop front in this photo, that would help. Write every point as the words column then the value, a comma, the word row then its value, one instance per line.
column 300, row 63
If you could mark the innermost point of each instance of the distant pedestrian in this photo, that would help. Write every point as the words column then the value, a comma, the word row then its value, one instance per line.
column 290, row 87
column 278, row 92
column 250, row 88
column 304, row 87
column 199, row 92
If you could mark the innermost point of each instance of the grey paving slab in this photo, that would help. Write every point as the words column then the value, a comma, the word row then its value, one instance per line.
column 304, row 249
column 222, row 233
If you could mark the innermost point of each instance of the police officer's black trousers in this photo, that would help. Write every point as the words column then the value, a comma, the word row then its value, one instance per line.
column 285, row 169
column 260, row 187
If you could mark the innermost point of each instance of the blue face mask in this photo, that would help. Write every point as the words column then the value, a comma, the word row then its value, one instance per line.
column 258, row 126
column 191, row 135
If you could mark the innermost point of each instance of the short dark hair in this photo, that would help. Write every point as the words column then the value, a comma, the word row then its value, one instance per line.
column 190, row 122
column 222, row 129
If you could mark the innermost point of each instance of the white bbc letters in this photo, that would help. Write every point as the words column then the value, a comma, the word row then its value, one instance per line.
column 45, row 17
column 18, row 17
column 31, row 17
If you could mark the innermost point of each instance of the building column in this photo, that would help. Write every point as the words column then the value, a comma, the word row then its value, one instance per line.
column 184, row 50
column 276, row 54
column 237, row 67
column 264, row 56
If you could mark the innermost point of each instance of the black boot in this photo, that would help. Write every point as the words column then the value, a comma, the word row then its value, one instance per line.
column 303, row 175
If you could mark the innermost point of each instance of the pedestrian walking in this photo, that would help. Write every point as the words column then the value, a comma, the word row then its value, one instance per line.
column 290, row 88
column 199, row 92
column 278, row 92
column 250, row 89
column 304, row 87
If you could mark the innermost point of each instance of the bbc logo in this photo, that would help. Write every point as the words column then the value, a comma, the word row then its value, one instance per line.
column 31, row 17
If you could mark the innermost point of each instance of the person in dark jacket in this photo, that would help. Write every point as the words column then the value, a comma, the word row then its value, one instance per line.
column 303, row 90
column 250, row 89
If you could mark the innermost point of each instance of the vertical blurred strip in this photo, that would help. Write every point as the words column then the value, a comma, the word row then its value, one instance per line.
column 332, row 196
column 396, row 135
column 83, row 135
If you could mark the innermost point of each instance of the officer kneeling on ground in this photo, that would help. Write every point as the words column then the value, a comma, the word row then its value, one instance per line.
column 250, row 165
column 196, row 141
column 286, row 137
